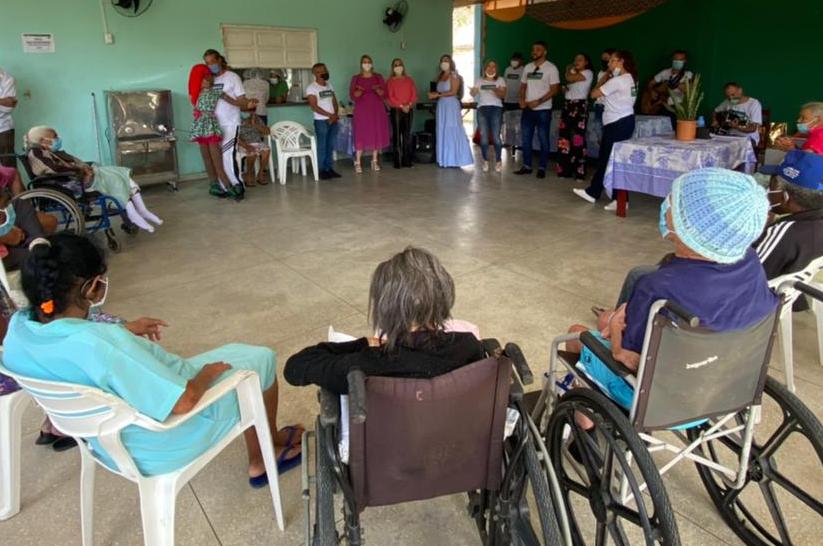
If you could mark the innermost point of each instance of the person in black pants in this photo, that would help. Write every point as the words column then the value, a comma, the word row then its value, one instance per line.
column 619, row 93
column 401, row 94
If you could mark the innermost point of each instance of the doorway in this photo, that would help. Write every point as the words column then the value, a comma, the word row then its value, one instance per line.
column 466, row 25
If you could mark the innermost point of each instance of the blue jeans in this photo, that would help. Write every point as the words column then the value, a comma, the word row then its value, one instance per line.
column 531, row 120
column 616, row 131
column 490, row 120
column 326, row 137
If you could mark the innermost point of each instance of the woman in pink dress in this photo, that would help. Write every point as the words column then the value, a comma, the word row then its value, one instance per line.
column 371, row 123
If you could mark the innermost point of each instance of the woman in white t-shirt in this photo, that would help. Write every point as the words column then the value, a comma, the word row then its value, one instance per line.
column 619, row 94
column 488, row 92
column 571, row 142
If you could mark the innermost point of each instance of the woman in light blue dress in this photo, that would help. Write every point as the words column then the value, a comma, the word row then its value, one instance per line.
column 453, row 148
column 64, row 279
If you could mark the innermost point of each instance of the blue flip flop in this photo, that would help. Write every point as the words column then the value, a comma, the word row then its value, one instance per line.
column 284, row 464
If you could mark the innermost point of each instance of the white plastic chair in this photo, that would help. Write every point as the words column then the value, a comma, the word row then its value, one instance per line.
column 12, row 408
column 86, row 412
column 291, row 141
column 782, row 285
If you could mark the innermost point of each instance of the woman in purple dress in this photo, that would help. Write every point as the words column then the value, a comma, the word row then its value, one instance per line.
column 371, row 122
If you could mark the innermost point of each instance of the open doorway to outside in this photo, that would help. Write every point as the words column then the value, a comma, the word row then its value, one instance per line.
column 466, row 53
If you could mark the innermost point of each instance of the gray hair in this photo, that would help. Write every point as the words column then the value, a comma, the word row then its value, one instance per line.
column 816, row 108
column 804, row 197
column 410, row 290
column 36, row 134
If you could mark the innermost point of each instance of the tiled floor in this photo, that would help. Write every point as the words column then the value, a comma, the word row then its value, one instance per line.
column 528, row 259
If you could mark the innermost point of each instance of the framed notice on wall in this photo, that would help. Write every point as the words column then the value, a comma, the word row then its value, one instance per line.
column 38, row 43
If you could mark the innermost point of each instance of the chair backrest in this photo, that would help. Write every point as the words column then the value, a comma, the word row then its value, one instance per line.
column 691, row 373
column 783, row 284
column 85, row 412
column 423, row 438
column 24, row 160
column 288, row 134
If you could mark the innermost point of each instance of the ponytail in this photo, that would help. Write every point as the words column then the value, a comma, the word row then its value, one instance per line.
column 53, row 269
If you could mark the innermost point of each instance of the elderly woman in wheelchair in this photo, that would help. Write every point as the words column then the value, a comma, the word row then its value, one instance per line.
column 688, row 354
column 426, row 412
column 46, row 156
column 64, row 280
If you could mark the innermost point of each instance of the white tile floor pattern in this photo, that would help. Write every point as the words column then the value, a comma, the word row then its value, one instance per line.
column 528, row 259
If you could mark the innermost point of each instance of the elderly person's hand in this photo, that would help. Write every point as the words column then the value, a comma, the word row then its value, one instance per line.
column 784, row 143
column 13, row 238
column 150, row 328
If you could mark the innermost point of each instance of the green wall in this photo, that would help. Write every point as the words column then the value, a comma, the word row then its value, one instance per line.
column 772, row 48
column 157, row 49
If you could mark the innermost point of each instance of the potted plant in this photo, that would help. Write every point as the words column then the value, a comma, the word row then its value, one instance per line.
column 685, row 108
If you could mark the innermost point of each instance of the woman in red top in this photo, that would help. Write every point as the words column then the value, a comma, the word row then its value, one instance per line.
column 402, row 94
column 809, row 122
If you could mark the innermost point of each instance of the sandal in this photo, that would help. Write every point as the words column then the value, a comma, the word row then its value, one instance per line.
column 284, row 463
column 598, row 310
column 64, row 443
column 46, row 439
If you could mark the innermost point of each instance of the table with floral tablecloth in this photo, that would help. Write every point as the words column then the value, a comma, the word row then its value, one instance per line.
column 650, row 165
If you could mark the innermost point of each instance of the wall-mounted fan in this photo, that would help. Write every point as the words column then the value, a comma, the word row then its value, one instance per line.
column 131, row 8
column 393, row 16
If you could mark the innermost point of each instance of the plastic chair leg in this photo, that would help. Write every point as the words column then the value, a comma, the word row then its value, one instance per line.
column 157, row 505
column 785, row 334
column 12, row 407
column 817, row 309
column 87, row 474
column 303, row 166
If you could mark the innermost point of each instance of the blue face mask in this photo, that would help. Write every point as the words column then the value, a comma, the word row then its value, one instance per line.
column 11, row 218
column 802, row 127
column 678, row 65
column 56, row 144
column 662, row 225
column 214, row 68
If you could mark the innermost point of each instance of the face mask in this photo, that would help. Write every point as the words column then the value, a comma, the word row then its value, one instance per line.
column 678, row 65
column 662, row 225
column 490, row 74
column 275, row 81
column 802, row 127
column 324, row 76
column 11, row 218
column 398, row 70
column 784, row 197
column 99, row 303
column 734, row 100
column 616, row 72
column 214, row 69
column 366, row 66
column 514, row 64
column 445, row 66
column 56, row 144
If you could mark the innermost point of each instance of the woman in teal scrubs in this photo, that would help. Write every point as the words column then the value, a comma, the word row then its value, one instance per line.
column 64, row 279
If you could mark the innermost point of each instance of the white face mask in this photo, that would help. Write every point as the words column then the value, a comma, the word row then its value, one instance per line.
column 514, row 64
column 490, row 74
column 275, row 80
column 98, row 304
column 445, row 66
column 366, row 67
column 398, row 70
column 616, row 72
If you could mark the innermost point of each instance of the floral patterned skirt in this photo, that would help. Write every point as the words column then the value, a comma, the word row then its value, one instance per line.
column 571, row 142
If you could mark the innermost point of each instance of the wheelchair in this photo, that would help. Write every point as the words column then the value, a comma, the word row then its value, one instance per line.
column 396, row 440
column 754, row 443
column 76, row 210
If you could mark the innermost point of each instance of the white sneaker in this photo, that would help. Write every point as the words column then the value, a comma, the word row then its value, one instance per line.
column 613, row 206
column 498, row 167
column 485, row 166
column 581, row 193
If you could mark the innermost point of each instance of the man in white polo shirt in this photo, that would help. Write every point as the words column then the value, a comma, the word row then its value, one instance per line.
column 738, row 115
column 228, row 116
column 8, row 100
column 538, row 84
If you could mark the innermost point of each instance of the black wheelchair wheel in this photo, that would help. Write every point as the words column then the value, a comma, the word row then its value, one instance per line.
column 112, row 241
column 780, row 501
column 58, row 205
column 591, row 465
column 531, row 494
column 325, row 531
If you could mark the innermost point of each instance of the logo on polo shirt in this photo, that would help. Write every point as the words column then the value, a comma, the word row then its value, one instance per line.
column 790, row 172
column 326, row 94
column 535, row 76
column 513, row 77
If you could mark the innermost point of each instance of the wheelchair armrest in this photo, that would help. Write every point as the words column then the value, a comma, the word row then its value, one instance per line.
column 516, row 355
column 683, row 313
column 491, row 346
column 49, row 179
column 809, row 290
column 604, row 354
column 357, row 396
column 329, row 408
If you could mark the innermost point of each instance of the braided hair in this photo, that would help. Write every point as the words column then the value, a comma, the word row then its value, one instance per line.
column 55, row 270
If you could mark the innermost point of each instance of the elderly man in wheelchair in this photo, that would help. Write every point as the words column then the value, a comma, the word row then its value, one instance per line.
column 687, row 357
column 426, row 411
